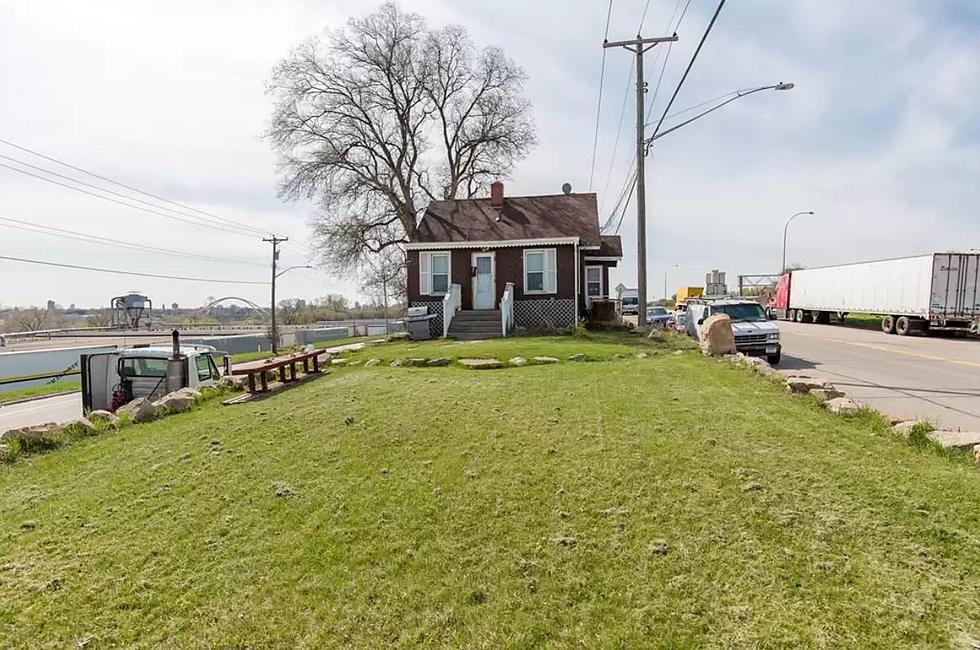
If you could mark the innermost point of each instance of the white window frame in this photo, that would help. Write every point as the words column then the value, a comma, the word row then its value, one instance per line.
column 602, row 288
column 425, row 272
column 550, row 279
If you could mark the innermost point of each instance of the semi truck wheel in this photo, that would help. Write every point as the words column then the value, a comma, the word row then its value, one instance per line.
column 903, row 325
column 888, row 324
column 798, row 316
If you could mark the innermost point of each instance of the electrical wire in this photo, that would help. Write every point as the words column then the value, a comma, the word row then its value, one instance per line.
column 128, row 205
column 63, row 233
column 198, row 220
column 133, row 273
column 598, row 108
column 130, row 187
column 690, row 64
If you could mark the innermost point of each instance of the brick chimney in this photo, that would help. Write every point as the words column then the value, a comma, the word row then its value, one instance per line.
column 497, row 194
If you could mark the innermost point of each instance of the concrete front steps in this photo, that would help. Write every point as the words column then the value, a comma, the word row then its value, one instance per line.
column 473, row 325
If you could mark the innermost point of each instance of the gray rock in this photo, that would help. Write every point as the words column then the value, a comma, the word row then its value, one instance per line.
column 517, row 361
column 540, row 361
column 642, row 355
column 415, row 362
column 907, row 426
column 187, row 391
column 956, row 440
column 439, row 361
column 139, row 410
column 480, row 364
column 39, row 434
column 395, row 363
column 372, row 362
column 175, row 402
column 355, row 362
column 801, row 384
column 234, row 382
column 577, row 357
column 81, row 425
column 824, row 394
column 842, row 406
column 104, row 416
column 338, row 362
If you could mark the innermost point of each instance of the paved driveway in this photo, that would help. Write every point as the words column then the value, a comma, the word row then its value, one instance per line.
column 915, row 376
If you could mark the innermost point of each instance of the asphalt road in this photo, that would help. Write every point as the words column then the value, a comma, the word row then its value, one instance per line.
column 60, row 408
column 937, row 378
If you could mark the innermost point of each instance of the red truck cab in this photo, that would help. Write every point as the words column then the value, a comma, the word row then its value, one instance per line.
column 778, row 305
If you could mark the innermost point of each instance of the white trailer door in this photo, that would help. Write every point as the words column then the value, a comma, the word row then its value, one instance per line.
column 98, row 378
column 956, row 285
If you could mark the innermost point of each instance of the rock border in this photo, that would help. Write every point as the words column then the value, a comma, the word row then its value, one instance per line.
column 836, row 402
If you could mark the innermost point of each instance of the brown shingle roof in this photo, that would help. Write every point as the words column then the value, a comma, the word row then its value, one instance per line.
column 610, row 246
column 521, row 217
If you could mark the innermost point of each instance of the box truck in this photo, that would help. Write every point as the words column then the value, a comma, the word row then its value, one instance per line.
column 938, row 291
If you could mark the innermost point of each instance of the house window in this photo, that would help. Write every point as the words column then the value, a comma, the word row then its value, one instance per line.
column 540, row 271
column 434, row 270
column 593, row 282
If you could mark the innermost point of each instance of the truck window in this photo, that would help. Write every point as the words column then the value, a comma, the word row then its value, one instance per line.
column 142, row 367
column 203, row 364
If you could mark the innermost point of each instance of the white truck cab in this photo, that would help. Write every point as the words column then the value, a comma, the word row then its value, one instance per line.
column 112, row 379
column 755, row 334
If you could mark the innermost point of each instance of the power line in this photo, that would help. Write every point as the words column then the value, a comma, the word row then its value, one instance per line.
column 130, row 187
column 128, row 205
column 697, row 51
column 112, row 192
column 134, row 273
column 598, row 108
column 63, row 233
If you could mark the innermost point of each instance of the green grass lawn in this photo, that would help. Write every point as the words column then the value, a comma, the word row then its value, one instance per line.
column 39, row 391
column 672, row 501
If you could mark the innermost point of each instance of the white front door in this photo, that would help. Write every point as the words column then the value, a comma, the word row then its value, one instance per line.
column 593, row 284
column 483, row 284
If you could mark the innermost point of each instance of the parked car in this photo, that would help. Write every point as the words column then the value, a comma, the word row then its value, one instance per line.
column 755, row 334
column 657, row 316
column 677, row 321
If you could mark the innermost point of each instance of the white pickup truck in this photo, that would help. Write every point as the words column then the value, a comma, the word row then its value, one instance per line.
column 112, row 379
column 755, row 334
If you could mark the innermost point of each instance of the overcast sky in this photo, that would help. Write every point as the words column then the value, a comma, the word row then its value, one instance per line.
column 880, row 136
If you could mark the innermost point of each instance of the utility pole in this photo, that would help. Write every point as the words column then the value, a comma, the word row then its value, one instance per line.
column 639, row 46
column 275, row 241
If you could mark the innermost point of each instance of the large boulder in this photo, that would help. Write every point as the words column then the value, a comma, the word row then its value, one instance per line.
column 175, row 402
column 717, row 337
column 46, row 434
column 139, row 410
column 102, row 415
column 842, row 406
column 83, row 426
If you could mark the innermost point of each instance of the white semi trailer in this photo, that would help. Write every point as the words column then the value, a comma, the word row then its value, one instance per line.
column 938, row 291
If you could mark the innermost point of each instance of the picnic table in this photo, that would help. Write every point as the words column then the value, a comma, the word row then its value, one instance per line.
column 256, row 371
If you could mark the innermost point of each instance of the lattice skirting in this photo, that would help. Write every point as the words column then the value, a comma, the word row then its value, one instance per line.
column 435, row 324
column 554, row 314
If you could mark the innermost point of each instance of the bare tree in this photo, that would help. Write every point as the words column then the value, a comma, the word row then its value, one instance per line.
column 386, row 115
column 30, row 319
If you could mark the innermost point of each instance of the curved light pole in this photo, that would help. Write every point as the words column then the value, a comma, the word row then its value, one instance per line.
column 275, row 276
column 672, row 266
column 738, row 95
column 785, row 230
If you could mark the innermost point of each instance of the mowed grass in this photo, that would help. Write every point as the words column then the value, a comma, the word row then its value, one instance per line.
column 668, row 502
column 39, row 391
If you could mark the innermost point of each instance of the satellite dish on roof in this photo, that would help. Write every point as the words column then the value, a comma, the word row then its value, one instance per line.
column 566, row 188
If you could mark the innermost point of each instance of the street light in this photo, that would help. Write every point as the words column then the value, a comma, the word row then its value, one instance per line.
column 672, row 266
column 275, row 276
column 785, row 230
column 738, row 95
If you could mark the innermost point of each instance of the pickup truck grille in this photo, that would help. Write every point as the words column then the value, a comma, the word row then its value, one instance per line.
column 750, row 338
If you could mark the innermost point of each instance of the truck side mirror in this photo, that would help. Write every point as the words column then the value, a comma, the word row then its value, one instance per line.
column 701, row 322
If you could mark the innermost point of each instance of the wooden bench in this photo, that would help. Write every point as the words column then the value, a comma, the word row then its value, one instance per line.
column 256, row 371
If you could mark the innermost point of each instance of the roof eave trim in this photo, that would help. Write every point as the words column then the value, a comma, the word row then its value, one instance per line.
column 602, row 258
column 500, row 243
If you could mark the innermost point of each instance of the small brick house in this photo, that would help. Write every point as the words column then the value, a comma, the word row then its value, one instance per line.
column 540, row 259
